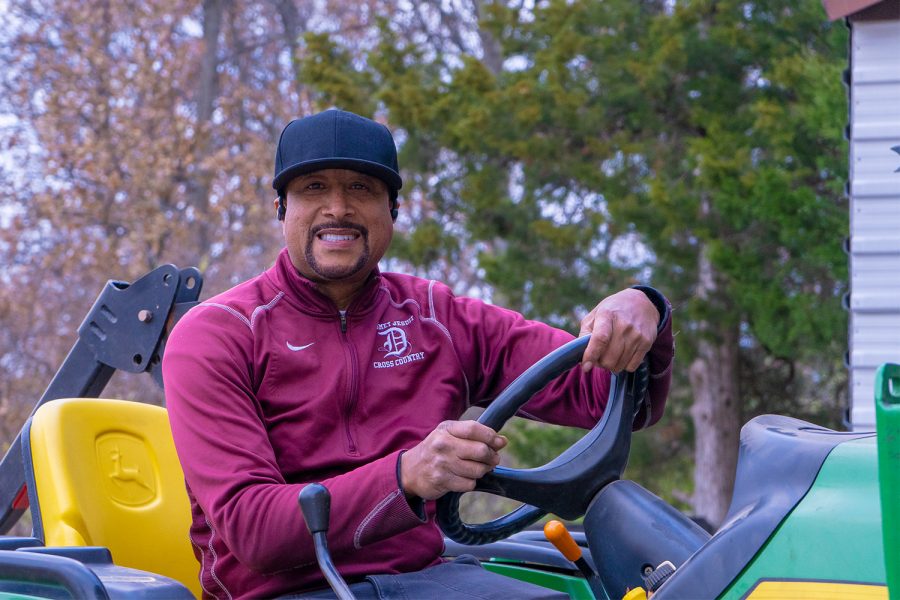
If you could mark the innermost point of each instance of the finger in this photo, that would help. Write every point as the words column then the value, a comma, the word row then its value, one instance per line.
column 600, row 340
column 615, row 360
column 455, row 483
column 587, row 325
column 475, row 431
column 640, row 351
column 476, row 451
column 469, row 469
column 634, row 361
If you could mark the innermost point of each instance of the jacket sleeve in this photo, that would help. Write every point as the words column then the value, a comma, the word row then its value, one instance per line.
column 231, row 469
column 496, row 345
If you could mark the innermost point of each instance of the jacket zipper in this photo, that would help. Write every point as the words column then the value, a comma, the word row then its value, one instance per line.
column 353, row 391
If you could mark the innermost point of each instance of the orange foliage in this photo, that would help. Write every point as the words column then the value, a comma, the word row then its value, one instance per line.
column 140, row 134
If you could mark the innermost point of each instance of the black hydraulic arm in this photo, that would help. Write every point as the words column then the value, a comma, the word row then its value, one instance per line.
column 125, row 329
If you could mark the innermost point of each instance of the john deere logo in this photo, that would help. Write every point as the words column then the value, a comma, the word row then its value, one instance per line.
column 126, row 468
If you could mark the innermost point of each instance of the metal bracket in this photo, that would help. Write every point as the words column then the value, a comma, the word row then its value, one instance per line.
column 125, row 329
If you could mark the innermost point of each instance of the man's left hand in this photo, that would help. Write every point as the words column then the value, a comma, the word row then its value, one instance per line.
column 622, row 329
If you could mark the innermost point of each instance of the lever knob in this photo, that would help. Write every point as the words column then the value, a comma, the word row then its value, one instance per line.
column 315, row 503
column 560, row 537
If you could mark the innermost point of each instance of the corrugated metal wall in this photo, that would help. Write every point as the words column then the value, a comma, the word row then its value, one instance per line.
column 874, row 209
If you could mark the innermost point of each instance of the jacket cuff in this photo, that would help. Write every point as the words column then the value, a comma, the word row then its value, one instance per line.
column 416, row 504
column 659, row 301
column 392, row 514
column 660, row 358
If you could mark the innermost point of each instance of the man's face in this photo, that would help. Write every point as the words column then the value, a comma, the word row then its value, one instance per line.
column 338, row 224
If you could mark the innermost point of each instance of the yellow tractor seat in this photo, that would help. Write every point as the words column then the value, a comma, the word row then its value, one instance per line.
column 104, row 473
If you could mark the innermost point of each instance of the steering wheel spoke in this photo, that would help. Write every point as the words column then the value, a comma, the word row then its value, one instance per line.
column 567, row 484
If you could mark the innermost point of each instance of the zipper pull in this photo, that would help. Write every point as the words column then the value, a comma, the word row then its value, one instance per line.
column 343, row 321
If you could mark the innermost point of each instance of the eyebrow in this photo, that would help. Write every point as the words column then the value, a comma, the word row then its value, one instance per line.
column 370, row 180
column 358, row 175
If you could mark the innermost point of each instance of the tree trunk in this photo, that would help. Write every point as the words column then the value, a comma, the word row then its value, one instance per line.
column 716, row 411
column 207, row 92
column 492, row 53
column 292, row 28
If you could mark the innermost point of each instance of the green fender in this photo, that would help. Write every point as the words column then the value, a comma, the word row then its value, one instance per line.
column 887, row 420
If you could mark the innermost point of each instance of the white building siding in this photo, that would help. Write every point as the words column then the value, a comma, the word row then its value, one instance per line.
column 874, row 210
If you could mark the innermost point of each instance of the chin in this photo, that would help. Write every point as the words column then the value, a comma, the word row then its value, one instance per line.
column 340, row 272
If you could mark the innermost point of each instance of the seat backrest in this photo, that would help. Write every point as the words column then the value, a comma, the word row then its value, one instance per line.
column 105, row 473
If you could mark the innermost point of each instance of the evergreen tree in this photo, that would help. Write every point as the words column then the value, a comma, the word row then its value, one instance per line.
column 696, row 143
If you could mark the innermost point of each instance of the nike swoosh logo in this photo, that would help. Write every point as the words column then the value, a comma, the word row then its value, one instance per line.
column 298, row 348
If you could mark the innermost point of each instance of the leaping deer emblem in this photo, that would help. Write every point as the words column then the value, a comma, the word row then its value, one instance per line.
column 125, row 474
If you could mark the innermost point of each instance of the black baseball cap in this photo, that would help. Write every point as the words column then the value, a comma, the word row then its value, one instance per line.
column 336, row 139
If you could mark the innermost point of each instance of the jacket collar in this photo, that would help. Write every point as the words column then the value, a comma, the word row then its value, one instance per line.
column 305, row 295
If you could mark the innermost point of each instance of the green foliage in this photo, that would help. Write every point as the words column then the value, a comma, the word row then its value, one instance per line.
column 654, row 461
column 330, row 66
column 535, row 444
column 757, row 133
column 681, row 126
column 425, row 244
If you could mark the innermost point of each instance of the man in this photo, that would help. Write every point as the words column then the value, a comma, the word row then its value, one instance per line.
column 322, row 369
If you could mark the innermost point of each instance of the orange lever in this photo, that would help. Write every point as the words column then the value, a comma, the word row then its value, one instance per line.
column 560, row 537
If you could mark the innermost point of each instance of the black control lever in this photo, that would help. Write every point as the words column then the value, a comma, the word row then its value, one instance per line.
column 315, row 503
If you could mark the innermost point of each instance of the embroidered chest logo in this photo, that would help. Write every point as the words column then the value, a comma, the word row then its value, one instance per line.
column 396, row 345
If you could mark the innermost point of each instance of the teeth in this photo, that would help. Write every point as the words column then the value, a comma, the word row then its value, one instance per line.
column 330, row 237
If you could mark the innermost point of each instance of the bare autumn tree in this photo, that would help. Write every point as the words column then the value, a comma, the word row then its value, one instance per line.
column 136, row 135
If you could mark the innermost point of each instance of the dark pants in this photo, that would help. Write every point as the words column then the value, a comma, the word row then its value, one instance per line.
column 461, row 579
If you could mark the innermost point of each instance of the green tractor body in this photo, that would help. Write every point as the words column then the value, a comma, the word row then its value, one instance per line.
column 833, row 535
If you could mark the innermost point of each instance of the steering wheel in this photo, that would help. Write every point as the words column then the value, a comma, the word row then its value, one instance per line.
column 567, row 484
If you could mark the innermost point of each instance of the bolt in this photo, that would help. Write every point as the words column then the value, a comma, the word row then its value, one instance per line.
column 145, row 316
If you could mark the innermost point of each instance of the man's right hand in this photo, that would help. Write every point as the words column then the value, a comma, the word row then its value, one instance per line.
column 450, row 459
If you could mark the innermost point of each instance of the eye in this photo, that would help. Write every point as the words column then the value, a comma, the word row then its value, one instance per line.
column 359, row 185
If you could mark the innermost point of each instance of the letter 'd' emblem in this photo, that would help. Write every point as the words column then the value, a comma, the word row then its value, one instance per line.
column 395, row 343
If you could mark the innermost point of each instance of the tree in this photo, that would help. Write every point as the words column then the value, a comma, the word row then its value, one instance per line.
column 747, row 167
column 697, row 141
column 137, row 135
column 556, row 151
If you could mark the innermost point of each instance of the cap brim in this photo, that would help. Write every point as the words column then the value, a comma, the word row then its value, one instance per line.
column 387, row 175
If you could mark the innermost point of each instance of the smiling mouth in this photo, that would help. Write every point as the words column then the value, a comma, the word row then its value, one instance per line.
column 337, row 237
column 338, row 233
column 338, row 241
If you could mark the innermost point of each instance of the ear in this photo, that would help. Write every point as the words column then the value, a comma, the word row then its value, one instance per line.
column 394, row 208
column 280, row 207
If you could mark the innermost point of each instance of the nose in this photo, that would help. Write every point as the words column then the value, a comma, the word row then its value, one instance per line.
column 337, row 205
